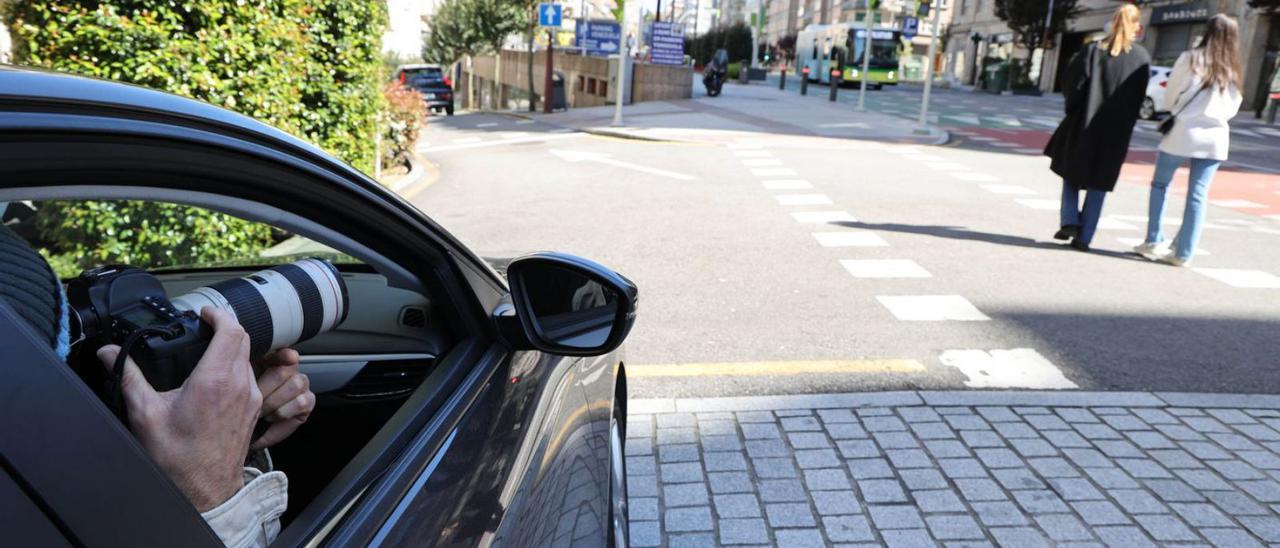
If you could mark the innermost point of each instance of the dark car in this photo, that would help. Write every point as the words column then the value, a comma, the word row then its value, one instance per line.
column 455, row 405
column 432, row 82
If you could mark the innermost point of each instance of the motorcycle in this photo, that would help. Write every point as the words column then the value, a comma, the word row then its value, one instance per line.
column 714, row 74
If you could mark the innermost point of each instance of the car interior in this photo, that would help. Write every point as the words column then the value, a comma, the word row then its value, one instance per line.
column 394, row 335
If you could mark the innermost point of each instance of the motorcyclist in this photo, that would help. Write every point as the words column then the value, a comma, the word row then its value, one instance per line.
column 714, row 74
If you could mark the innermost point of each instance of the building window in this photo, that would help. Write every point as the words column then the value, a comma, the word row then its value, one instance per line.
column 964, row 6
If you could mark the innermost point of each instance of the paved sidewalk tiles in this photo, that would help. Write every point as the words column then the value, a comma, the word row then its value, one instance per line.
column 956, row 469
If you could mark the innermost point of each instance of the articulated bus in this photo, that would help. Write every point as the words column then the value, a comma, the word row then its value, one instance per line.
column 821, row 48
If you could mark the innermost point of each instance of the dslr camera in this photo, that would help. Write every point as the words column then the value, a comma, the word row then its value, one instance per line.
column 277, row 307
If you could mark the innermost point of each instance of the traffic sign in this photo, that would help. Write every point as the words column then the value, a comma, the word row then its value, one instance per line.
column 910, row 27
column 599, row 38
column 549, row 15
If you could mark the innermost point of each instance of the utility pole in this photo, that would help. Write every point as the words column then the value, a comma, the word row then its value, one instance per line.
column 620, row 94
column 866, row 55
column 923, row 128
column 548, row 94
column 1044, row 43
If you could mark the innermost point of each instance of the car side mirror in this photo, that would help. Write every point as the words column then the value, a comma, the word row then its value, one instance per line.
column 569, row 305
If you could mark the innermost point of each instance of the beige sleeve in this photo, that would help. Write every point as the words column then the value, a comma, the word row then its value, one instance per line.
column 251, row 518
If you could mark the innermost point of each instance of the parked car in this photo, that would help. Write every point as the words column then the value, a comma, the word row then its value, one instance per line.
column 432, row 82
column 1154, row 104
column 455, row 405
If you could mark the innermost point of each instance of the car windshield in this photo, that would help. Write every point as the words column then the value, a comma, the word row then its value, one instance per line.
column 423, row 76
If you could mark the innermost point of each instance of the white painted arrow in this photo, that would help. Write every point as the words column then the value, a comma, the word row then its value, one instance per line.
column 580, row 156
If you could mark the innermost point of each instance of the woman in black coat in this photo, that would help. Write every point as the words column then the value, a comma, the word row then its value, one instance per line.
column 1104, row 86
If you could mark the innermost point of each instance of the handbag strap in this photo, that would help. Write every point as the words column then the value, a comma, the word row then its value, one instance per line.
column 1188, row 103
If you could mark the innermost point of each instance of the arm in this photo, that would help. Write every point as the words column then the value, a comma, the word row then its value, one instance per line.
column 1075, row 79
column 1180, row 80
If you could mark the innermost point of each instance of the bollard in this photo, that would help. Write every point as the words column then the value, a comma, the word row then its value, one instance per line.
column 782, row 78
column 804, row 81
column 835, row 83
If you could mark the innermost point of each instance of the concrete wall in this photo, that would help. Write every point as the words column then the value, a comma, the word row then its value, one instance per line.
column 586, row 80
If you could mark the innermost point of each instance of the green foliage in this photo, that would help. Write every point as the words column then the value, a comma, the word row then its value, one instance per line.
column 1026, row 19
column 310, row 67
column 468, row 27
column 736, row 40
column 145, row 234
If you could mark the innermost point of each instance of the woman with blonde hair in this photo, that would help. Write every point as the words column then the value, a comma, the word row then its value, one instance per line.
column 1103, row 85
column 1205, row 85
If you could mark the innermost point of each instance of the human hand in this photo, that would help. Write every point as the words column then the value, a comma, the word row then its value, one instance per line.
column 287, row 399
column 198, row 433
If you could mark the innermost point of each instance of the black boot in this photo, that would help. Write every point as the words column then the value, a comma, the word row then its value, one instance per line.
column 1079, row 245
column 1067, row 232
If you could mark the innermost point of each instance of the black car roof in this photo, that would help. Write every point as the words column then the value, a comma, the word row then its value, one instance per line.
column 28, row 89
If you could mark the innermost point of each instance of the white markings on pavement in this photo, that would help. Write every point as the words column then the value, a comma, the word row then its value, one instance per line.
column 1015, row 368
column 946, row 166
column 968, row 176
column 814, row 217
column 787, row 184
column 487, row 124
column 1008, row 189
column 467, row 140
column 524, row 122
column 965, row 118
column 803, row 199
column 1237, row 204
column 1040, row 203
column 581, row 156
column 744, row 145
column 761, row 162
column 982, row 138
column 513, row 134
column 1028, row 151
column 850, row 239
column 752, row 153
column 884, row 268
column 1241, row 278
column 476, row 143
column 912, row 157
column 1108, row 223
column 774, row 172
column 859, row 125
column 931, row 308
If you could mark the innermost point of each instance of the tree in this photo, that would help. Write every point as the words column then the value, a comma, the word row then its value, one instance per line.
column 1266, row 5
column 1026, row 18
column 445, row 39
column 787, row 47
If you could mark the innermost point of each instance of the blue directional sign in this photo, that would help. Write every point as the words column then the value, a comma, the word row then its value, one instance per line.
column 549, row 15
column 599, row 38
column 910, row 27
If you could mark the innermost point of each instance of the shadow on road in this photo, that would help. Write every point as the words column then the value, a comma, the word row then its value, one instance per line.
column 962, row 233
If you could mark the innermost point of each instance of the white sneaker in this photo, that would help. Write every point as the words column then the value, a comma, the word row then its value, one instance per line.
column 1173, row 260
column 1150, row 250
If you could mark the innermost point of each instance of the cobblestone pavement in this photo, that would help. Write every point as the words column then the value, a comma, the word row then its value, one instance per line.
column 956, row 469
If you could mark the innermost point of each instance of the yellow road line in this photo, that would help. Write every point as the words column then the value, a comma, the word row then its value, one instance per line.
column 774, row 368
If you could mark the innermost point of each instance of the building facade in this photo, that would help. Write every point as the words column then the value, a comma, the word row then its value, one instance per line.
column 976, row 38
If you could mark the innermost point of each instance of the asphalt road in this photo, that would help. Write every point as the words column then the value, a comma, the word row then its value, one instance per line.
column 949, row 280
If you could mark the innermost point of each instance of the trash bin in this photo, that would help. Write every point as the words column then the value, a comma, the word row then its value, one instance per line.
column 997, row 80
column 558, row 101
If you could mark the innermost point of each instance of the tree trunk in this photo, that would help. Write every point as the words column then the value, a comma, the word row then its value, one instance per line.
column 497, row 77
column 529, row 63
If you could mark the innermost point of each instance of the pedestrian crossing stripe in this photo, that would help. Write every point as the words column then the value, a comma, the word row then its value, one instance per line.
column 774, row 368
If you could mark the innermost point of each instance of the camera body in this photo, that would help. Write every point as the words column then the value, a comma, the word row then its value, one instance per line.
column 114, row 302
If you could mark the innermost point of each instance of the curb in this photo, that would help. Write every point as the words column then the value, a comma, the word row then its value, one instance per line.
column 627, row 135
column 422, row 174
column 1039, row 398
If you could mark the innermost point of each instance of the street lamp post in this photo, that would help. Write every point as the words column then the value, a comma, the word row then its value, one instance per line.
column 866, row 59
column 928, row 73
column 1044, row 43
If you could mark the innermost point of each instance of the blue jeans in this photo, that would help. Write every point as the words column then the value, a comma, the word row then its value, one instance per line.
column 1202, row 171
column 1087, row 218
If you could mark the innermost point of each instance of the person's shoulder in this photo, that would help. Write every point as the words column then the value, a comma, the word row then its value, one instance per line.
column 1140, row 53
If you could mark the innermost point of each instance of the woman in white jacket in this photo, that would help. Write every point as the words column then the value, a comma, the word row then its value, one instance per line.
column 1205, row 84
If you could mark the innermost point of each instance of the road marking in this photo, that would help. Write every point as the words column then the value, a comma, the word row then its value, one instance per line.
column 922, row 158
column 1265, row 230
column 787, row 184
column 524, row 122
column 982, row 138
column 964, row 118
column 778, row 368
column 1005, row 145
column 931, row 308
column 884, row 268
column 761, row 162
column 1042, row 120
column 1108, row 223
column 861, row 238
column 946, row 166
column 1008, row 189
column 814, row 217
column 1242, row 278
column 859, row 125
column 803, row 199
column 1014, row 368
column 752, row 153
column 744, row 145
column 499, row 142
column 1268, row 131
column 581, row 156
column 1028, row 151
column 466, row 140
column 1237, row 204
column 774, row 172
column 968, row 176
column 1040, row 203
column 487, row 124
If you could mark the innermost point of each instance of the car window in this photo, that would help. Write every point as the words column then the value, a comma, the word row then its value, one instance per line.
column 421, row 76
column 78, row 234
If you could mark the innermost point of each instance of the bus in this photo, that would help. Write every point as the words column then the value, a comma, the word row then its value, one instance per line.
column 821, row 48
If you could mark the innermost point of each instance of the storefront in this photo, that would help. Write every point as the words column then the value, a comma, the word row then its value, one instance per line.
column 1177, row 28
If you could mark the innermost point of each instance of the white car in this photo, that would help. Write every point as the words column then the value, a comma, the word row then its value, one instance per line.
column 1154, row 104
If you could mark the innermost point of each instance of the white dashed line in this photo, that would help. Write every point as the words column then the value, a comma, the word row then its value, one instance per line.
column 1015, row 368
column 814, row 217
column 931, row 308
column 524, row 122
column 761, row 162
column 1009, row 189
column 487, row 124
column 1237, row 204
column 1242, row 278
column 752, row 153
column 1040, row 203
column 884, row 268
column 787, row 184
column 850, row 239
column 968, row 176
column 803, row 199
column 774, row 172
column 982, row 138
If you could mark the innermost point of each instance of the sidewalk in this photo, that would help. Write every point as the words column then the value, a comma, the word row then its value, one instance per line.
column 741, row 111
column 1017, row 469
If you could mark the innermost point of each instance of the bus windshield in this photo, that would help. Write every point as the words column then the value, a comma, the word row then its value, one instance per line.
column 884, row 50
